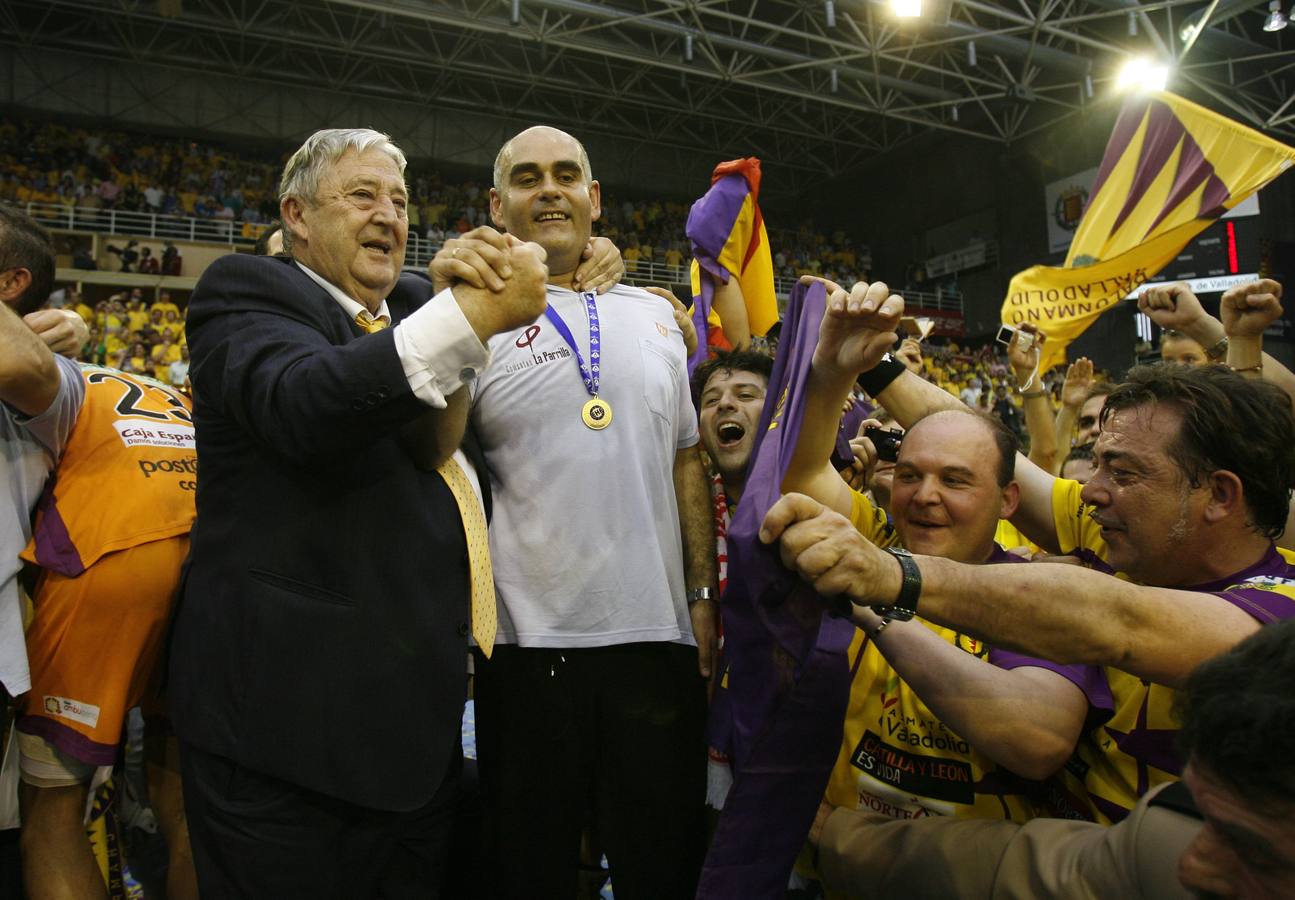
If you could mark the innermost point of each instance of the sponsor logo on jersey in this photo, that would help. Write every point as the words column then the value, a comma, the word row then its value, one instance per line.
column 936, row 777
column 84, row 713
column 171, row 435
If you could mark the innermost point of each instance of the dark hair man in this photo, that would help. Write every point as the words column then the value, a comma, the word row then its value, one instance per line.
column 730, row 392
column 1193, row 480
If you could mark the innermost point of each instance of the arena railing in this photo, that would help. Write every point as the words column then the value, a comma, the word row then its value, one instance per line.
column 418, row 254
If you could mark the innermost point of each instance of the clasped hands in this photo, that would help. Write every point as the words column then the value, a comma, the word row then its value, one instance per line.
column 498, row 280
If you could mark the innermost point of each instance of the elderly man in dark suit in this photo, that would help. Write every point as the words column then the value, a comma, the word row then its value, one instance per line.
column 317, row 671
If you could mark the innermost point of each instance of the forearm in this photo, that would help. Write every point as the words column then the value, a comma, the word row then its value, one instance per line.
column 29, row 376
column 1075, row 615
column 1246, row 356
column 909, row 397
column 1042, row 430
column 696, row 525
column 730, row 306
column 1024, row 720
column 810, row 471
column 433, row 437
column 1065, row 427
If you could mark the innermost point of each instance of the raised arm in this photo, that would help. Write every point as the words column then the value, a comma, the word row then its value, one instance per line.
column 730, row 306
column 1246, row 310
column 29, row 376
column 1074, row 391
column 1029, row 384
column 856, row 330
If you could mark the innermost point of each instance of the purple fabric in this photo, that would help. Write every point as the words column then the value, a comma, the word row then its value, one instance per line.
column 73, row 743
column 788, row 674
column 1126, row 126
column 54, row 547
column 1163, row 134
column 710, row 222
column 842, row 455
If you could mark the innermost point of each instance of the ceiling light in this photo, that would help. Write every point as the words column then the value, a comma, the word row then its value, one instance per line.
column 1133, row 24
column 906, row 9
column 831, row 14
column 1187, row 31
column 1276, row 18
column 1142, row 74
column 971, row 53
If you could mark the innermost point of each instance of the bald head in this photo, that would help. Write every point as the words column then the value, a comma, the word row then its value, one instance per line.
column 504, row 158
column 544, row 193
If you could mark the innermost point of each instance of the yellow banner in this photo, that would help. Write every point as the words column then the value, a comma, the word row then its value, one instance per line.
column 1171, row 169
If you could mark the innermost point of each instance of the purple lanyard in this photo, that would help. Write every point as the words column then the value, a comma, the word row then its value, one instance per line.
column 590, row 372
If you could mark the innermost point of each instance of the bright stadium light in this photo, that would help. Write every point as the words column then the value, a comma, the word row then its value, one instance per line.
column 906, row 9
column 1141, row 74
column 1276, row 20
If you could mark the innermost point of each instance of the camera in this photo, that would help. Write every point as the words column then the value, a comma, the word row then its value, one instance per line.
column 1028, row 338
column 886, row 440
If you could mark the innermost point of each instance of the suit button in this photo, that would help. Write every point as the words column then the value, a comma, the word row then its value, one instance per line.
column 463, row 629
column 371, row 399
column 357, row 404
column 383, row 392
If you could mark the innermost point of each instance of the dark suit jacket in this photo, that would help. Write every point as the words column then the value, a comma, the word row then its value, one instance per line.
column 321, row 631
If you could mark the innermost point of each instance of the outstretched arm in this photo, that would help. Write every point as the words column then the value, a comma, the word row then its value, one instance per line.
column 1067, row 614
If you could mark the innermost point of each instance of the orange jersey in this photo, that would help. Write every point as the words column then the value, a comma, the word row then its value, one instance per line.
column 126, row 477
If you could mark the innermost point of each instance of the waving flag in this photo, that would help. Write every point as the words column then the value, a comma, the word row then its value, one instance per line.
column 1171, row 169
column 780, row 712
column 728, row 240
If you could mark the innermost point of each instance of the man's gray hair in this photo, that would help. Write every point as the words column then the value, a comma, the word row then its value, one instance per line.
column 504, row 158
column 322, row 149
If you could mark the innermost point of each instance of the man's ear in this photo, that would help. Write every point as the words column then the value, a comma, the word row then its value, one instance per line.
column 497, row 210
column 1011, row 500
column 1227, row 496
column 13, row 284
column 595, row 201
column 291, row 211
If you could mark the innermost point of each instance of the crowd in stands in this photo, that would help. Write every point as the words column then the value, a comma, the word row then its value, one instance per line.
column 129, row 333
column 95, row 170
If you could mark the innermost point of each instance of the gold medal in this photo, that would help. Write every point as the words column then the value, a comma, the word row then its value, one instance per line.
column 597, row 413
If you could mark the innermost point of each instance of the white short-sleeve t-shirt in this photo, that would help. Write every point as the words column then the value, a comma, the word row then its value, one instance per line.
column 585, row 534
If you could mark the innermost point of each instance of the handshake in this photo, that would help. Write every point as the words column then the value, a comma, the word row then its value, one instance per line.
column 499, row 281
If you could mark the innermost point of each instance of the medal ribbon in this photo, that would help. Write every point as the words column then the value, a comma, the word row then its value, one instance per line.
column 589, row 373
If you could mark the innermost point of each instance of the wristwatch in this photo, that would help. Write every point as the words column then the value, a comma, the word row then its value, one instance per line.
column 701, row 593
column 1219, row 350
column 905, row 605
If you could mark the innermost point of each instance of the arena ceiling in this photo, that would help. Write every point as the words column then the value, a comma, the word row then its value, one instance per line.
column 816, row 86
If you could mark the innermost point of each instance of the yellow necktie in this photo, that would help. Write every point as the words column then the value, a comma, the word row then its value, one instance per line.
column 371, row 323
column 484, row 617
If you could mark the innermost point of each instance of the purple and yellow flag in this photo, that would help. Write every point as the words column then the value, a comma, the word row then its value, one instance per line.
column 728, row 240
column 1171, row 169
column 780, row 711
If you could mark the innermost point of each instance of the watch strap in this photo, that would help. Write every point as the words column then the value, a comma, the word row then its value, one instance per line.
column 905, row 605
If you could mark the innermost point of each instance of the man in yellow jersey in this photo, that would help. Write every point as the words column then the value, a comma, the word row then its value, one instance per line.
column 1193, row 481
column 938, row 723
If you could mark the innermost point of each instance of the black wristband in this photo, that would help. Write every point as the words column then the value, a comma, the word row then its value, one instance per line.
column 879, row 377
